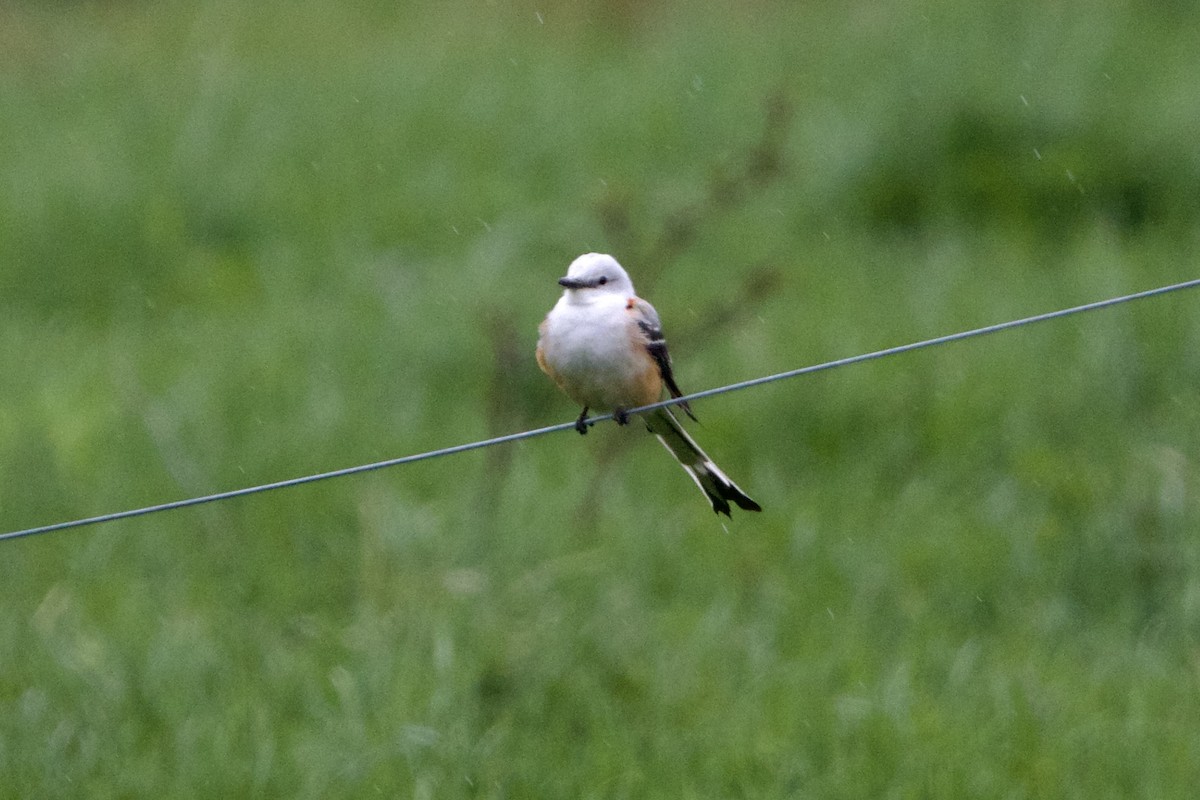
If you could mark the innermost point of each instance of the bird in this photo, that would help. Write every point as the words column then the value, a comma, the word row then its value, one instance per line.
column 604, row 347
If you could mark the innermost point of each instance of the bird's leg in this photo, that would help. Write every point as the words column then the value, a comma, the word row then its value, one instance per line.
column 621, row 416
column 581, row 423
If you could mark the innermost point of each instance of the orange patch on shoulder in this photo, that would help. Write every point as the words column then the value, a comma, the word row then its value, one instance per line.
column 630, row 303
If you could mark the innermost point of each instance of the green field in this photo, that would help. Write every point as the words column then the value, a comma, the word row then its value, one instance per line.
column 243, row 242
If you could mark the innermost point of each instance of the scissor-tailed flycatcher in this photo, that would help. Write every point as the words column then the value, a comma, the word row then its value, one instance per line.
column 603, row 345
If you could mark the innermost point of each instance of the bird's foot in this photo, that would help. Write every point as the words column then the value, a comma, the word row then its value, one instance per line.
column 621, row 416
column 581, row 423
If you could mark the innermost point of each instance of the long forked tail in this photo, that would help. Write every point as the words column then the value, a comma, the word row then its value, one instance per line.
column 712, row 481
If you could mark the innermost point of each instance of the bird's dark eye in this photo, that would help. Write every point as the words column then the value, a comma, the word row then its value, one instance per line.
column 603, row 280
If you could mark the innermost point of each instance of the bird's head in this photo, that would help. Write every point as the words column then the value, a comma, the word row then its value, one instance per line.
column 596, row 273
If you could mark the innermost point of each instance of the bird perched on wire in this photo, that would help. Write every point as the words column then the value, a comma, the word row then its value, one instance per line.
column 604, row 347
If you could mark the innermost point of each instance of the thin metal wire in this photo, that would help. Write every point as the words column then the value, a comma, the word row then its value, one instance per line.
column 516, row 437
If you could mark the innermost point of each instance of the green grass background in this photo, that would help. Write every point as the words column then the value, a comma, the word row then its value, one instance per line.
column 241, row 242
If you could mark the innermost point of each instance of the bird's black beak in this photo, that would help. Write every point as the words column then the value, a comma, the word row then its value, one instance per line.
column 573, row 283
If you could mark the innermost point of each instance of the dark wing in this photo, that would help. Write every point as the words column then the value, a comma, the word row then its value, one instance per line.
column 656, row 345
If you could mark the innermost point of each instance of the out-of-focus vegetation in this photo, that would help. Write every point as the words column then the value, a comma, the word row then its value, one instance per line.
column 241, row 242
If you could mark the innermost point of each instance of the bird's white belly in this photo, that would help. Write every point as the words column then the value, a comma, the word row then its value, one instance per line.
column 594, row 358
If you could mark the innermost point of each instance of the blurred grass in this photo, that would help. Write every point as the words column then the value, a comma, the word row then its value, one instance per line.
column 245, row 242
